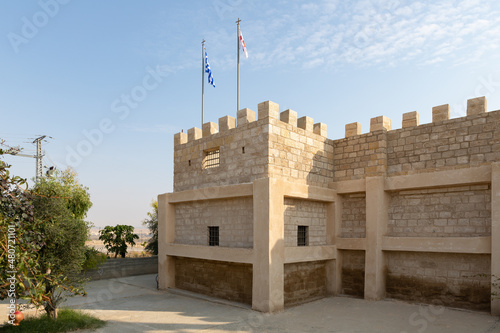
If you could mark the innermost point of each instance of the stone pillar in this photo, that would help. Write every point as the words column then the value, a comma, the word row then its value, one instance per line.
column 331, row 265
column 337, row 232
column 377, row 204
column 166, row 234
column 268, row 245
column 495, row 233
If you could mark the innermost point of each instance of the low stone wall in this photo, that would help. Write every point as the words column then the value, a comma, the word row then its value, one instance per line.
column 226, row 280
column 449, row 279
column 122, row 267
column 353, row 273
column 304, row 282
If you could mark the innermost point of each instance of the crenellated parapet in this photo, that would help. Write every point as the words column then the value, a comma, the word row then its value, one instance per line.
column 443, row 144
column 410, row 119
column 253, row 145
column 245, row 116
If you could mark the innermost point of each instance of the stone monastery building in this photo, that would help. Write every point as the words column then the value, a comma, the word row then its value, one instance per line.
column 271, row 213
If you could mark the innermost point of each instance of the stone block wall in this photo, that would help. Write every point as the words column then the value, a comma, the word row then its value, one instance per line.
column 304, row 282
column 360, row 156
column 462, row 142
column 463, row 211
column 243, row 157
column 353, row 273
column 450, row 279
column 273, row 145
column 233, row 216
column 231, row 281
column 450, row 212
column 307, row 213
column 353, row 223
column 299, row 155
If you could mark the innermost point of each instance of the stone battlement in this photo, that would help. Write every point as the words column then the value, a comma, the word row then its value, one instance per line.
column 245, row 116
column 411, row 119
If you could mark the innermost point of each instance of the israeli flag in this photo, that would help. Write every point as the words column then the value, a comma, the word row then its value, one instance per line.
column 209, row 71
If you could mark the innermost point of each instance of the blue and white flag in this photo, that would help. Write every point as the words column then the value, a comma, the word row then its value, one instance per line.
column 209, row 71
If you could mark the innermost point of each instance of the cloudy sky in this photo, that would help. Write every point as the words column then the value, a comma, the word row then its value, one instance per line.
column 111, row 81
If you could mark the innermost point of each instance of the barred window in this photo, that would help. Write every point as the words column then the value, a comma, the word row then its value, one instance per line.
column 213, row 236
column 211, row 159
column 302, row 235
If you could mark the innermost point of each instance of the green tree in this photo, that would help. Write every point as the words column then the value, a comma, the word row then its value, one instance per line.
column 21, row 239
column 60, row 205
column 42, row 238
column 152, row 223
column 116, row 238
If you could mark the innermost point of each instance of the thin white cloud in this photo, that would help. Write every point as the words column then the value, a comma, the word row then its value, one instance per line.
column 367, row 33
column 332, row 33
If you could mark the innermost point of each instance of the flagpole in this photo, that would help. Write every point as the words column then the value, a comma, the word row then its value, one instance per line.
column 238, row 47
column 202, row 81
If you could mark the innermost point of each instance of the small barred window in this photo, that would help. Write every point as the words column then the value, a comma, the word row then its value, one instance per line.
column 302, row 235
column 211, row 159
column 213, row 236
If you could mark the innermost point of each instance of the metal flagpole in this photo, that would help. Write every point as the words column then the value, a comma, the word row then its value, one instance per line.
column 202, row 81
column 238, row 46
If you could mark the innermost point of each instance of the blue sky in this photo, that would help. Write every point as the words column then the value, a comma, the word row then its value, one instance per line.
column 68, row 69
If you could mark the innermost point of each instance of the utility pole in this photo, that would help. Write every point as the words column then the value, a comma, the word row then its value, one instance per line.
column 38, row 157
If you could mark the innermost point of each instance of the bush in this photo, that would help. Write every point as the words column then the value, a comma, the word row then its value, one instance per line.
column 93, row 258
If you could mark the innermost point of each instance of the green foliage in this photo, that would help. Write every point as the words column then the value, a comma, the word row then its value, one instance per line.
column 67, row 320
column 42, row 237
column 152, row 223
column 60, row 204
column 116, row 238
column 19, row 248
column 93, row 258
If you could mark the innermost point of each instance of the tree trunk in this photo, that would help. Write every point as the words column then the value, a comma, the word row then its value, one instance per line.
column 51, row 306
column 51, row 311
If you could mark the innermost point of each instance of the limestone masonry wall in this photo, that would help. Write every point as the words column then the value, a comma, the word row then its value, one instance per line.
column 444, row 144
column 221, row 279
column 451, row 279
column 353, row 223
column 304, row 282
column 353, row 273
column 274, row 145
column 411, row 213
column 243, row 157
column 233, row 216
column 299, row 155
column 360, row 156
column 462, row 142
column 463, row 211
column 307, row 213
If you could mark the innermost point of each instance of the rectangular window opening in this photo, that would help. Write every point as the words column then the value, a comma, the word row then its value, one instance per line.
column 213, row 236
column 211, row 159
column 303, row 235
